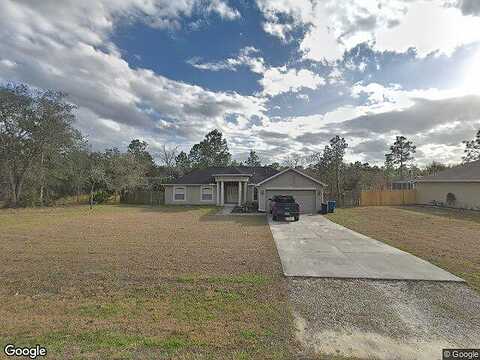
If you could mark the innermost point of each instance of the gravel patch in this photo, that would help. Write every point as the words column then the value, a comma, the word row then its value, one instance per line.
column 375, row 319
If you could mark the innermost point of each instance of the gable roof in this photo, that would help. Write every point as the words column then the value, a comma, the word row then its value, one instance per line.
column 469, row 172
column 206, row 176
column 295, row 170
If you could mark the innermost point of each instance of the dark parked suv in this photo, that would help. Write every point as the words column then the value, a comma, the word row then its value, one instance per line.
column 284, row 206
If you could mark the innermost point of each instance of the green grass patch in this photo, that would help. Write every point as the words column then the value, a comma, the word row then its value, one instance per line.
column 248, row 334
column 203, row 304
column 92, row 341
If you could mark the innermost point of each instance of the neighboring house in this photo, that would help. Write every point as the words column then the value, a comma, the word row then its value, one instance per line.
column 455, row 187
column 241, row 184
column 402, row 185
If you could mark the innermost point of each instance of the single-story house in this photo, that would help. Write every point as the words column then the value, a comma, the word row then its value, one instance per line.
column 241, row 184
column 456, row 187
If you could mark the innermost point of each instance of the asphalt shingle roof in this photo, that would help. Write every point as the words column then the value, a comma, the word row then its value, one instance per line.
column 205, row 176
column 465, row 172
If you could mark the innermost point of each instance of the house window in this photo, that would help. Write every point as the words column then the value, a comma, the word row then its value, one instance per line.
column 206, row 193
column 255, row 194
column 179, row 193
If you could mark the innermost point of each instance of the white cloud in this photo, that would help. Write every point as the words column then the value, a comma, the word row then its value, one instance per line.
column 298, row 12
column 393, row 97
column 303, row 97
column 275, row 80
column 66, row 46
column 7, row 63
column 447, row 29
column 244, row 58
column 362, row 66
column 434, row 119
column 228, row 64
column 279, row 30
column 278, row 80
column 321, row 44
column 335, row 76
column 395, row 25
column 225, row 11
column 470, row 80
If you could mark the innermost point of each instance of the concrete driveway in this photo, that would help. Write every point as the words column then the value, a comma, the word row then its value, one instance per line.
column 317, row 247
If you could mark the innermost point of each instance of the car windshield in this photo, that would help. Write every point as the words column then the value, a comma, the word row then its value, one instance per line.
column 284, row 199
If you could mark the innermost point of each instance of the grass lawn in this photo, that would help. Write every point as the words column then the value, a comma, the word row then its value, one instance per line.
column 447, row 238
column 125, row 282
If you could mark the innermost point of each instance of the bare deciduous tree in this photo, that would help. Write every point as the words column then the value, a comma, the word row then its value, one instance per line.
column 294, row 160
column 168, row 159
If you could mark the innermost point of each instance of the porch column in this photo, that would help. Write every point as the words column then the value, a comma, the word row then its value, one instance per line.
column 246, row 191
column 239, row 193
column 218, row 193
column 222, row 195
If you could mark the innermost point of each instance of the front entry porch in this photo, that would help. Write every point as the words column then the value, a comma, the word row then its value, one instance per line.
column 231, row 193
column 231, row 189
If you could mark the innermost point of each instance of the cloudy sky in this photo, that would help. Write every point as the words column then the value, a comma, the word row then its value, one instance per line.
column 278, row 76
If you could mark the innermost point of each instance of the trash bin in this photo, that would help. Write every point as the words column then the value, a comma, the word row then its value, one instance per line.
column 324, row 209
column 331, row 206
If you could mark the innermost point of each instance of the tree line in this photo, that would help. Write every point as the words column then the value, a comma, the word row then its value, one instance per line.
column 44, row 158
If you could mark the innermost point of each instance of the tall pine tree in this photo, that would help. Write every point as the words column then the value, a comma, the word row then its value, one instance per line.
column 401, row 153
column 210, row 152
column 253, row 159
column 472, row 149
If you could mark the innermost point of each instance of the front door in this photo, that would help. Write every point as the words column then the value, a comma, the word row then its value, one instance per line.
column 231, row 193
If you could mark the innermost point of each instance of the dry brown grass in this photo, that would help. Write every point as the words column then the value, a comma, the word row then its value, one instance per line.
column 129, row 282
column 448, row 238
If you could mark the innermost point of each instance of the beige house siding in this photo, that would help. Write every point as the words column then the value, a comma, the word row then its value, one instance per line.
column 250, row 192
column 305, row 198
column 193, row 195
column 467, row 194
column 289, row 180
column 168, row 194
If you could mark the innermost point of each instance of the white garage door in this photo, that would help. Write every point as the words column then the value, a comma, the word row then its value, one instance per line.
column 304, row 198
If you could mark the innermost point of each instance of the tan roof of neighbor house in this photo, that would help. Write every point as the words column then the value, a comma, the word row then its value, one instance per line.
column 469, row 172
